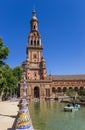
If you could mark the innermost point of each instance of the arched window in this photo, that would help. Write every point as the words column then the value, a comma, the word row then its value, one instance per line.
column 58, row 89
column 38, row 42
column 64, row 89
column 53, row 90
column 34, row 56
column 70, row 88
column 36, row 92
column 76, row 89
column 31, row 42
column 34, row 42
column 34, row 26
column 81, row 88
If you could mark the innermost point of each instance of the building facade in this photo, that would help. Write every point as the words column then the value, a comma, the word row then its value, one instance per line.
column 39, row 84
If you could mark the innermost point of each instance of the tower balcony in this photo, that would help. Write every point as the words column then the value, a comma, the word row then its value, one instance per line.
column 34, row 47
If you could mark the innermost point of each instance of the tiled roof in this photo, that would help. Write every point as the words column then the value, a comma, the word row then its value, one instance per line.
column 67, row 77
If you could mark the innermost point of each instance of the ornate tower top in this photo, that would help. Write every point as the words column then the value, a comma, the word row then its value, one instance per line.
column 34, row 22
column 34, row 15
column 34, row 39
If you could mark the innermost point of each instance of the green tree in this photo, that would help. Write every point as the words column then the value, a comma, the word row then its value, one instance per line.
column 70, row 93
column 2, row 82
column 10, row 79
column 81, row 93
column 4, row 51
column 17, row 72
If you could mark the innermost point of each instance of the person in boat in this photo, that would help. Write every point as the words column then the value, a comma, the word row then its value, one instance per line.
column 69, row 105
column 73, row 104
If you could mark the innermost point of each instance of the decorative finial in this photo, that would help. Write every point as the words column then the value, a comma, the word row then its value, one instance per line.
column 34, row 13
column 34, row 8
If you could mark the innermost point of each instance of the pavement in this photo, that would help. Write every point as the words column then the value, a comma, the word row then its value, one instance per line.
column 8, row 114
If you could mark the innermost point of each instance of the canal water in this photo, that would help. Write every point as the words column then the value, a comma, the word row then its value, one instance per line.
column 49, row 115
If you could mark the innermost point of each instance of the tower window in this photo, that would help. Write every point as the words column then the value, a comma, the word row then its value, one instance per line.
column 34, row 42
column 34, row 26
column 34, row 56
column 35, row 74
column 31, row 42
column 38, row 42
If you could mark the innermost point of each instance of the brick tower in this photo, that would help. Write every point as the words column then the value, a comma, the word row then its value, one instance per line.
column 34, row 66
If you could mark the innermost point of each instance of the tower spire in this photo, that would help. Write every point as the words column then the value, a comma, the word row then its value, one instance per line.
column 34, row 38
column 33, row 13
column 34, row 10
column 34, row 21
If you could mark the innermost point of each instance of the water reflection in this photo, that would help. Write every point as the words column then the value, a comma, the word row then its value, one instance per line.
column 50, row 116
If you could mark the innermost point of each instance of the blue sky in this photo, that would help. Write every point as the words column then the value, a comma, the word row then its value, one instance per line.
column 61, row 25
